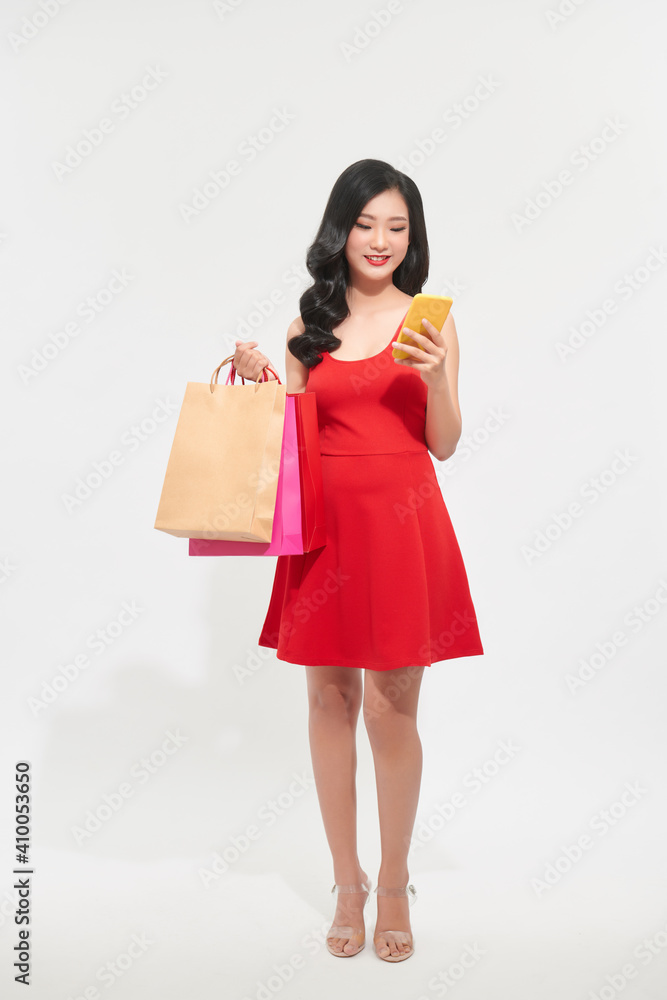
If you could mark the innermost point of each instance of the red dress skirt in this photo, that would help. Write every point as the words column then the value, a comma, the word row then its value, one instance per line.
column 389, row 589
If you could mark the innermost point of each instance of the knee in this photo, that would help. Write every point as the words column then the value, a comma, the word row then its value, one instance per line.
column 385, row 723
column 335, row 701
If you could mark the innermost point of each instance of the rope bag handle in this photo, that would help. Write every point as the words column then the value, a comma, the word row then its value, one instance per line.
column 231, row 374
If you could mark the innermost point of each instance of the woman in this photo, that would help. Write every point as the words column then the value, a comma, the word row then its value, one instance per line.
column 388, row 593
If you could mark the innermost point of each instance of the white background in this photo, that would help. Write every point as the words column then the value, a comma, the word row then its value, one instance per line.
column 354, row 88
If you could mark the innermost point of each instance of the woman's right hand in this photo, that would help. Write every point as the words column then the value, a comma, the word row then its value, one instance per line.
column 249, row 362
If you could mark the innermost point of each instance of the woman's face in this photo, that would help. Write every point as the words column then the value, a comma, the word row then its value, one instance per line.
column 381, row 229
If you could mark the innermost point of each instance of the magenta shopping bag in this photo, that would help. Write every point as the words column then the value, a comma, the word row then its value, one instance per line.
column 287, row 535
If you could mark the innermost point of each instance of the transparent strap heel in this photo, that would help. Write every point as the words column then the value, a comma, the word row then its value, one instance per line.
column 355, row 935
column 401, row 937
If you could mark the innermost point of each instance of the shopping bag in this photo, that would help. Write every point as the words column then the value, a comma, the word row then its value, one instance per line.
column 287, row 537
column 310, row 468
column 303, row 476
column 222, row 475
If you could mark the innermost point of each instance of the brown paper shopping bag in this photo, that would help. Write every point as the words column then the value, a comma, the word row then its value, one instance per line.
column 222, row 475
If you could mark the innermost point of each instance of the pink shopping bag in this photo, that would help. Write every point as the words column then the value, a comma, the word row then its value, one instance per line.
column 287, row 535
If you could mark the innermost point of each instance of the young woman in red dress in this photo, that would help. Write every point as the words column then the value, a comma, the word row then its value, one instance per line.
column 388, row 594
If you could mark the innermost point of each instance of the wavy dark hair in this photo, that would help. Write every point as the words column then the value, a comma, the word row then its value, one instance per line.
column 324, row 304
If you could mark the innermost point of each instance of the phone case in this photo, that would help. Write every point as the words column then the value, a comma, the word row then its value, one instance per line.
column 434, row 307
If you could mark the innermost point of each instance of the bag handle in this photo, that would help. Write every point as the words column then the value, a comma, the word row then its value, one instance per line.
column 262, row 377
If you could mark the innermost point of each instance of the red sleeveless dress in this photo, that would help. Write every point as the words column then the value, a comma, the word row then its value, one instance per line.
column 389, row 589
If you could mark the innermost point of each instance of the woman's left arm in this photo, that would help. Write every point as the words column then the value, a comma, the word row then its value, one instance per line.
column 438, row 366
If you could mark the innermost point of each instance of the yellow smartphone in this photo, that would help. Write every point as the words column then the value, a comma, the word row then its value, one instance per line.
column 434, row 307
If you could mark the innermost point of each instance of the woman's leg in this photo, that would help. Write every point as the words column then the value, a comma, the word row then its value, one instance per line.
column 390, row 715
column 334, row 699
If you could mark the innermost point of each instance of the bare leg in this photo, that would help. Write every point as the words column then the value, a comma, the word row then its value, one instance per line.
column 334, row 699
column 390, row 715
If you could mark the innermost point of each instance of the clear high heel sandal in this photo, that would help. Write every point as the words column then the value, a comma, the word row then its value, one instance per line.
column 402, row 937
column 356, row 935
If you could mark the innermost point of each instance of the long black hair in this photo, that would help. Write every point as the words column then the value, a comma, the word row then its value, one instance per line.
column 324, row 304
